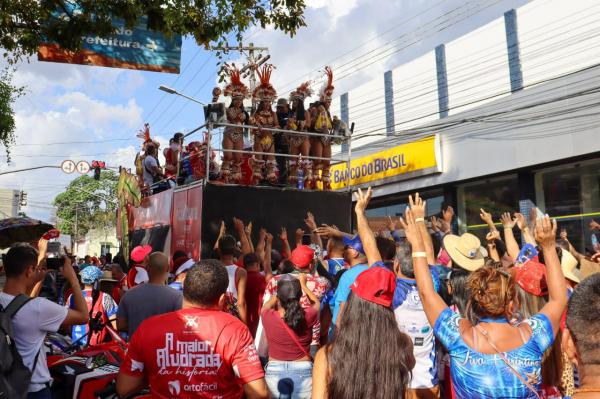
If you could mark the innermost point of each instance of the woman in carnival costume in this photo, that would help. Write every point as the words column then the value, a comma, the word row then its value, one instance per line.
column 321, row 146
column 233, row 137
column 300, row 144
column 264, row 117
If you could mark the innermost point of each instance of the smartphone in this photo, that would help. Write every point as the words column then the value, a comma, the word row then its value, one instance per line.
column 55, row 258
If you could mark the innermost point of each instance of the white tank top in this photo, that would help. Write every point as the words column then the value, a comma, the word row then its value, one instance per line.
column 232, row 288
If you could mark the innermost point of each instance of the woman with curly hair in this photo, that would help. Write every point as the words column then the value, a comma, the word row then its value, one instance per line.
column 288, row 329
column 493, row 357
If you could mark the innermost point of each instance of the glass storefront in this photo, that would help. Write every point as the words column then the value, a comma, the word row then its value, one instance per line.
column 496, row 196
column 571, row 193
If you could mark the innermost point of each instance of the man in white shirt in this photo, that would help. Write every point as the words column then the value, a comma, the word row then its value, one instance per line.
column 24, row 269
column 150, row 165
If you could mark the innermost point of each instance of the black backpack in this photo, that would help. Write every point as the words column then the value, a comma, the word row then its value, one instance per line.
column 14, row 375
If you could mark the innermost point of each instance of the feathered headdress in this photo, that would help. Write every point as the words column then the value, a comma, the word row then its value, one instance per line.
column 327, row 89
column 302, row 91
column 235, row 88
column 145, row 133
column 264, row 91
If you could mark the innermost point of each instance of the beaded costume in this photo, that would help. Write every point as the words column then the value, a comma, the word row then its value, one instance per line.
column 264, row 117
column 231, row 168
column 324, row 125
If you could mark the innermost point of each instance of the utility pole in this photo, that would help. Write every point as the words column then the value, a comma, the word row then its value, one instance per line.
column 76, row 233
column 253, row 61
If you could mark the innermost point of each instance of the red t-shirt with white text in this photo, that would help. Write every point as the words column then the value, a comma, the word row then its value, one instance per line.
column 193, row 353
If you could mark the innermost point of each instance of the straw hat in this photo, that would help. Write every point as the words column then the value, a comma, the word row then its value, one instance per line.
column 568, row 263
column 465, row 251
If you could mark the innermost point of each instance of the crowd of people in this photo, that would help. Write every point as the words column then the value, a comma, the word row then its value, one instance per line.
column 413, row 312
column 298, row 156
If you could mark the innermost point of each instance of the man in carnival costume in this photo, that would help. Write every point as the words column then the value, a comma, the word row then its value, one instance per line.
column 300, row 144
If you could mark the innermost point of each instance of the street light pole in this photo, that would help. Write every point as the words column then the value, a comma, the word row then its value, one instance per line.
column 170, row 90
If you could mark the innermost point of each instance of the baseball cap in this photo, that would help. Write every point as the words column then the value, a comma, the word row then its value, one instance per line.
column 140, row 252
column 376, row 284
column 90, row 274
column 185, row 266
column 354, row 243
column 531, row 277
column 302, row 256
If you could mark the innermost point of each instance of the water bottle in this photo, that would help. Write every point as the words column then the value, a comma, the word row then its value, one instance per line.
column 300, row 174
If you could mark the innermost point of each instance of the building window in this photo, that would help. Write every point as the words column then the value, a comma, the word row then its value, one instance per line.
column 571, row 194
column 104, row 249
column 496, row 196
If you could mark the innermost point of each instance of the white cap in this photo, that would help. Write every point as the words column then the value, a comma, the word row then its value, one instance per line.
column 186, row 265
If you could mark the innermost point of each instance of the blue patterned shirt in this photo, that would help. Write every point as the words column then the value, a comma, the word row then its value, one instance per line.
column 478, row 375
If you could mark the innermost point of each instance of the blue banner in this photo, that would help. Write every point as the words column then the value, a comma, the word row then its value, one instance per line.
column 136, row 48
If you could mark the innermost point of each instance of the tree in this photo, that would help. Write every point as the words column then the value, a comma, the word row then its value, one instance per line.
column 29, row 22
column 8, row 95
column 88, row 204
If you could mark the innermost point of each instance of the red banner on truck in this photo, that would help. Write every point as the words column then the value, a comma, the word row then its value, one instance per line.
column 187, row 224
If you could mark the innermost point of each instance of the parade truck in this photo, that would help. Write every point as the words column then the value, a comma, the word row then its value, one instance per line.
column 188, row 218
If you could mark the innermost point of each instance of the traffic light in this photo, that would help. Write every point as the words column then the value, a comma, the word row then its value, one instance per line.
column 98, row 166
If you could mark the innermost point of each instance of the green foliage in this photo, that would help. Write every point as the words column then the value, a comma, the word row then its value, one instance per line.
column 88, row 204
column 25, row 23
column 8, row 95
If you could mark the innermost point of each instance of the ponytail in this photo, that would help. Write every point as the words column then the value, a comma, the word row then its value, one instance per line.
column 294, row 314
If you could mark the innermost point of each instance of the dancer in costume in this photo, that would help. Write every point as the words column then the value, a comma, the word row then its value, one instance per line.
column 321, row 123
column 300, row 144
column 233, row 137
column 264, row 117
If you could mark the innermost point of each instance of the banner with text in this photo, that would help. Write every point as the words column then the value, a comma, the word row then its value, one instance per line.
column 135, row 48
column 402, row 162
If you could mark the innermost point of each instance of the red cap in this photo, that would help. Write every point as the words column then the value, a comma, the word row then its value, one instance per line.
column 531, row 276
column 140, row 252
column 302, row 256
column 54, row 233
column 376, row 284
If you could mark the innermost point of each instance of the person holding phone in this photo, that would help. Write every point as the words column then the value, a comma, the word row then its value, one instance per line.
column 37, row 316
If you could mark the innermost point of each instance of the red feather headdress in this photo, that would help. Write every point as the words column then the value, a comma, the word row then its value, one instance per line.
column 264, row 91
column 327, row 89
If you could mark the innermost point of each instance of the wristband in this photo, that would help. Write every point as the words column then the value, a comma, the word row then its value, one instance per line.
column 508, row 228
column 419, row 255
column 417, row 220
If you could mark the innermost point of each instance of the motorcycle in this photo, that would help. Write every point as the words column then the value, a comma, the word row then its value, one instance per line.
column 86, row 372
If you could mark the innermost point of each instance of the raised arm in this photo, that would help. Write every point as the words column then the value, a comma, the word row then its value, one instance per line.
column 364, row 231
column 267, row 261
column 241, row 233
column 545, row 234
column 512, row 248
column 316, row 304
column 433, row 304
column 418, row 209
column 331, row 231
column 572, row 250
column 299, row 234
column 222, row 231
column 286, row 250
column 312, row 227
column 522, row 224
column 248, row 232
column 491, row 239
column 259, row 248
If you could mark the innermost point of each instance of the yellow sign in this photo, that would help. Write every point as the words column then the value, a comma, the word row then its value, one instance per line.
column 402, row 162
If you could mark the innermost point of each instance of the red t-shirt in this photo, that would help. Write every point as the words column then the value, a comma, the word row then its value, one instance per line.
column 116, row 291
column 193, row 353
column 281, row 345
column 255, row 290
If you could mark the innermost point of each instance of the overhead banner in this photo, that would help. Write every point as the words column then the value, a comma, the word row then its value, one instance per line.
column 135, row 48
column 406, row 161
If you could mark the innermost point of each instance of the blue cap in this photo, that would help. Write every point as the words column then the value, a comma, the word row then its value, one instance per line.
column 90, row 274
column 354, row 243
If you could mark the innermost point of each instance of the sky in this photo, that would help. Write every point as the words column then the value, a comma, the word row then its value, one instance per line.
column 94, row 113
